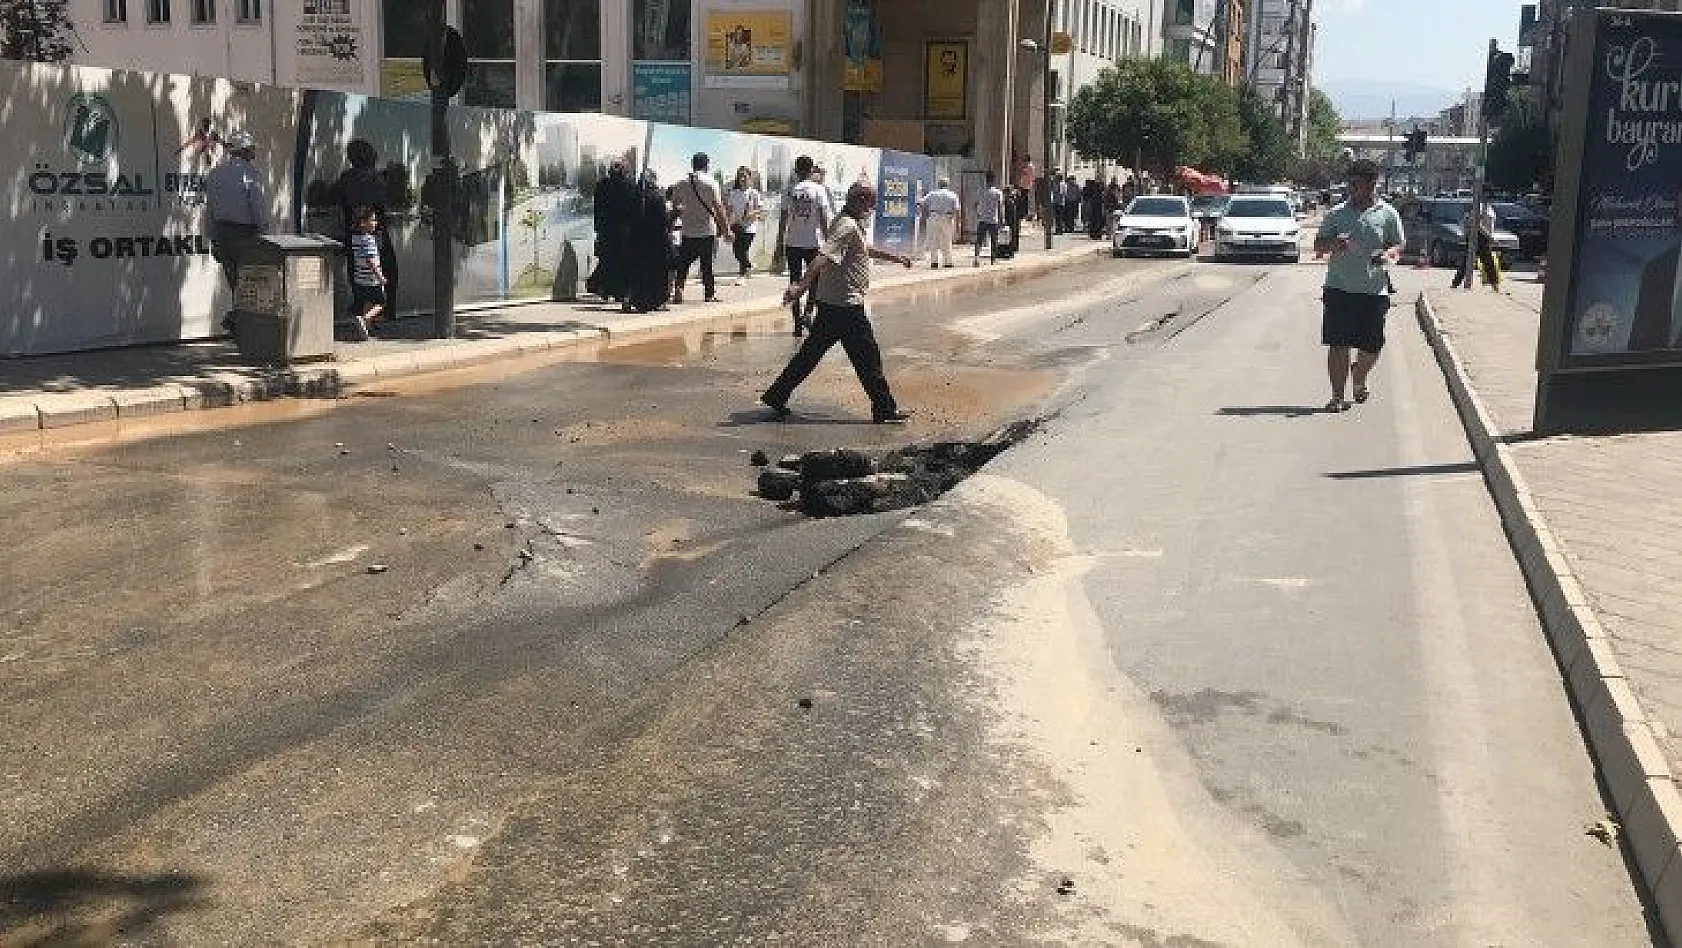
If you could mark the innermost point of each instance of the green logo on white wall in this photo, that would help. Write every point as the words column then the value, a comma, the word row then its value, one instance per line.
column 90, row 131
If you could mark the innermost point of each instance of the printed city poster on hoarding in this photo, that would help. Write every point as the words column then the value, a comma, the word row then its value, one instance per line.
column 331, row 46
column 946, row 79
column 661, row 92
column 107, row 242
column 749, row 48
column 1625, row 282
column 902, row 181
column 863, row 69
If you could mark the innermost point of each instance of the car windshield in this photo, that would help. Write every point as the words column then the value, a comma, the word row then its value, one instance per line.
column 1242, row 207
column 1209, row 202
column 1509, row 211
column 1156, row 207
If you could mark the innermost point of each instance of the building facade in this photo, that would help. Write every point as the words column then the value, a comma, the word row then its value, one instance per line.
column 1281, row 59
column 949, row 78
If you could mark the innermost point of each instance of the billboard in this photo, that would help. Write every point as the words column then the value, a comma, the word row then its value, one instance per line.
column 749, row 48
column 105, row 242
column 1623, row 304
column 902, row 181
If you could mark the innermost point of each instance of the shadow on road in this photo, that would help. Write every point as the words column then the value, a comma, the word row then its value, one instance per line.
column 77, row 907
column 1417, row 470
column 1283, row 411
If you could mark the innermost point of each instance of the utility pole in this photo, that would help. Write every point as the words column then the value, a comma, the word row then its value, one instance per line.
column 1390, row 145
column 1045, row 116
column 446, row 70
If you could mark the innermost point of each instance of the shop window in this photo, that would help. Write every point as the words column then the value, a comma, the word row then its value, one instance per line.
column 204, row 11
column 406, row 27
column 116, row 11
column 1185, row 12
column 660, row 30
column 157, row 11
column 572, row 44
column 250, row 11
column 487, row 29
column 572, row 87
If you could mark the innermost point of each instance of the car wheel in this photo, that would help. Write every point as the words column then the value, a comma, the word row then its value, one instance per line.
column 1118, row 254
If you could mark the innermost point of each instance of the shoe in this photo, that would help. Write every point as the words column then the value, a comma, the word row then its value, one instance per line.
column 1336, row 404
column 895, row 417
column 1361, row 395
column 711, row 299
column 228, row 324
column 779, row 410
column 677, row 297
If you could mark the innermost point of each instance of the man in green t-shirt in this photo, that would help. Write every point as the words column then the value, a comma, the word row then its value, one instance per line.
column 1363, row 235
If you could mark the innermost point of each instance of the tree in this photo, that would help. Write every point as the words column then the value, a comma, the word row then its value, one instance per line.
column 1159, row 113
column 1324, row 126
column 37, row 30
column 1270, row 152
column 1520, row 153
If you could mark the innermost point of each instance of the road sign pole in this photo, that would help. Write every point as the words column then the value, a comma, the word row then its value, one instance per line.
column 446, row 72
column 1478, row 175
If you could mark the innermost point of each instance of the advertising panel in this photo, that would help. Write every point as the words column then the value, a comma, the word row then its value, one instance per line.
column 331, row 46
column 863, row 69
column 1625, row 297
column 661, row 92
column 946, row 79
column 749, row 48
column 106, row 241
column 903, row 180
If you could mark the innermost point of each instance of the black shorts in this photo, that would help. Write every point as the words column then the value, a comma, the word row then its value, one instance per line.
column 1354, row 320
column 362, row 297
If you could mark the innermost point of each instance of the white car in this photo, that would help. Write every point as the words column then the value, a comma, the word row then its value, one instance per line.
column 1154, row 223
column 1258, row 225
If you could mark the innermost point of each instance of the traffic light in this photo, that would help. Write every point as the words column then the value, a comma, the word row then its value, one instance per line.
column 1415, row 145
column 1497, row 79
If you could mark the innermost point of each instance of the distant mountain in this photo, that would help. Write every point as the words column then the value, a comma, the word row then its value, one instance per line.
column 1371, row 98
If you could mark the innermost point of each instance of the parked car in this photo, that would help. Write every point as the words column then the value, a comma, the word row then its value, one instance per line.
column 1258, row 225
column 1433, row 227
column 1154, row 223
column 1530, row 227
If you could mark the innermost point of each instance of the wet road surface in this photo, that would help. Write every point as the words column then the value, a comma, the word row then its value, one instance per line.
column 510, row 654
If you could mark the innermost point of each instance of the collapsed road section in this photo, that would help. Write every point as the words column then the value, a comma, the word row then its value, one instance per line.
column 843, row 482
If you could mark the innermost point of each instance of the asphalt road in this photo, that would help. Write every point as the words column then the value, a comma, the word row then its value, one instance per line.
column 1194, row 665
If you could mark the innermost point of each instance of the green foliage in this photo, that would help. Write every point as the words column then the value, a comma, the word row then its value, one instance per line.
column 1161, row 112
column 1324, row 126
column 37, row 30
column 1520, row 153
column 1270, row 152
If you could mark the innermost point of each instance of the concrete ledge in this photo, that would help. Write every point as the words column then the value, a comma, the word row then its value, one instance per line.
column 76, row 408
column 1631, row 763
column 144, row 402
column 19, row 414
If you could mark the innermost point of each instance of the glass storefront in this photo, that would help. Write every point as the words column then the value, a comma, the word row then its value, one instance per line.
column 487, row 29
column 660, row 30
column 572, row 49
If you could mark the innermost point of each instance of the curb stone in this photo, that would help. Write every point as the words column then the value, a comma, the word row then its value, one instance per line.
column 1620, row 736
column 224, row 389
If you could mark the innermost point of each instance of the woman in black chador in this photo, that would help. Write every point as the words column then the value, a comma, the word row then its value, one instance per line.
column 616, row 206
column 648, row 249
column 1092, row 208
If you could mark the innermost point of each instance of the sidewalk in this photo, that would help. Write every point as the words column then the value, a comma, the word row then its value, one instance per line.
column 1596, row 523
column 60, row 390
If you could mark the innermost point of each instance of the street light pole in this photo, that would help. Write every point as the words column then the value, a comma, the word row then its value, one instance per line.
column 1045, row 84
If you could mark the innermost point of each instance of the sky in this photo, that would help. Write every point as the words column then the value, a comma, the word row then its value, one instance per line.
column 1439, row 43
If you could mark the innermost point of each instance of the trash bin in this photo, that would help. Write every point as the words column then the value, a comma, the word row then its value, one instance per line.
column 283, row 302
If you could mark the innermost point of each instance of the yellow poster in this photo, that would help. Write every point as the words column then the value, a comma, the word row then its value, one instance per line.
column 945, row 93
column 749, row 48
column 403, row 79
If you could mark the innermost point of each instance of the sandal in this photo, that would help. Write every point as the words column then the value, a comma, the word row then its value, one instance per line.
column 1336, row 404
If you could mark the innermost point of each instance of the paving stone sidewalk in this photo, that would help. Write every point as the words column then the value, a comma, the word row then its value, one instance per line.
column 1610, row 506
column 75, row 388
